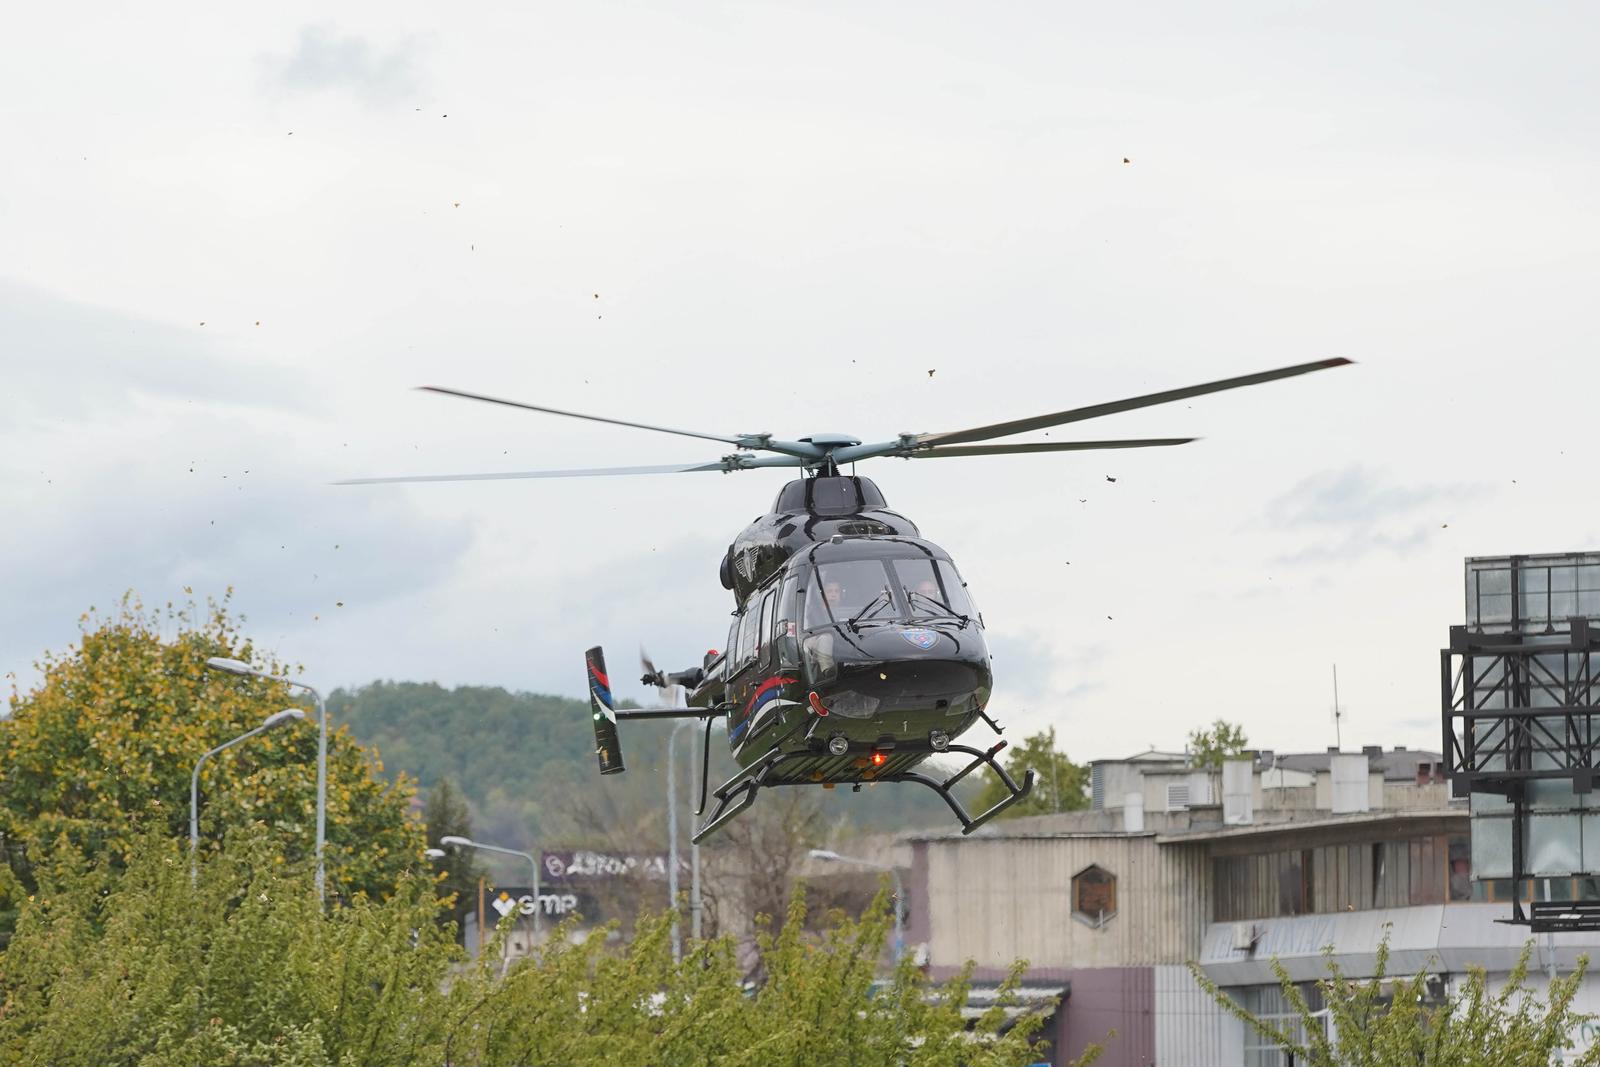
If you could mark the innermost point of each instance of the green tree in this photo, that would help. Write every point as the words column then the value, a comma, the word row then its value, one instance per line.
column 1059, row 784
column 1383, row 1022
column 446, row 814
column 1222, row 740
column 125, row 964
column 104, row 747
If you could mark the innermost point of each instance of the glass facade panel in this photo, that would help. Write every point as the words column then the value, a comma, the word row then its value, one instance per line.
column 1491, row 847
column 1554, row 843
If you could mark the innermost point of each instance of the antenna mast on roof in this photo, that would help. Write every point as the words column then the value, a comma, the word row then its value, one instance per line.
column 1337, row 738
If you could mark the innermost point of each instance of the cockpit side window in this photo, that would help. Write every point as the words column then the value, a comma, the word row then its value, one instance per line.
column 785, row 636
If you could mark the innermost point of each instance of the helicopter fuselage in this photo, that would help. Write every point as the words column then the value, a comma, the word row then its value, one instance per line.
column 854, row 650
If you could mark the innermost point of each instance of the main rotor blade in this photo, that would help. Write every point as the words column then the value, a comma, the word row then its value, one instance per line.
column 1094, row 411
column 586, row 472
column 1048, row 446
column 576, row 415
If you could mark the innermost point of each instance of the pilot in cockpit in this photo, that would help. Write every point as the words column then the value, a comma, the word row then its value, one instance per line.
column 925, row 597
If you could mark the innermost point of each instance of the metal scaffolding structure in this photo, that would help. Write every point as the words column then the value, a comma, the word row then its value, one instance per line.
column 1520, row 709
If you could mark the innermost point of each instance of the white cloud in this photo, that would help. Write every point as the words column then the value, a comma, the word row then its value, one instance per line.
column 326, row 59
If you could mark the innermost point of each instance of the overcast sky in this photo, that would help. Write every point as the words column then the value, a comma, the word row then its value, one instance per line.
column 235, row 237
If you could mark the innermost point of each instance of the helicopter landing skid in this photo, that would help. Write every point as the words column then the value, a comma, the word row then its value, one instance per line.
column 739, row 792
column 980, row 758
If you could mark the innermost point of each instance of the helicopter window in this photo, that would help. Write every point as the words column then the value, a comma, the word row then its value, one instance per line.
column 764, row 631
column 784, row 631
column 932, row 589
column 841, row 590
column 747, row 633
column 787, row 610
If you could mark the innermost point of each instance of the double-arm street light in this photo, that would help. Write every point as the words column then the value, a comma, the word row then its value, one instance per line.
column 899, row 893
column 277, row 718
column 533, row 864
column 244, row 670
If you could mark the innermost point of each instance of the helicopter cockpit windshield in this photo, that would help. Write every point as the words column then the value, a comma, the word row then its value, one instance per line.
column 857, row 592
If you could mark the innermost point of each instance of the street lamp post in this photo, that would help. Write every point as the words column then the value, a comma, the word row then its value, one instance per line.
column 533, row 865
column 244, row 670
column 899, row 893
column 672, row 847
column 276, row 719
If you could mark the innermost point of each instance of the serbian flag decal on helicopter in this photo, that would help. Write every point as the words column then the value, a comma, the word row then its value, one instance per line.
column 767, row 692
column 923, row 639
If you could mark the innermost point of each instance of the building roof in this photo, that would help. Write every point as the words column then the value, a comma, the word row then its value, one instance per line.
column 1150, row 755
column 1317, row 820
column 1396, row 765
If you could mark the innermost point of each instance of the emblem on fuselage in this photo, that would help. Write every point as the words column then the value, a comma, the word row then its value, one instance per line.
column 923, row 639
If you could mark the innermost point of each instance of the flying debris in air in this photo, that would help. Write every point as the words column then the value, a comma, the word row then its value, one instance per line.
column 930, row 374
column 1109, row 478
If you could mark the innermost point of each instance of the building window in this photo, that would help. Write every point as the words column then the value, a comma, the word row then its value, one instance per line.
column 1333, row 878
column 1269, row 1004
column 1094, row 895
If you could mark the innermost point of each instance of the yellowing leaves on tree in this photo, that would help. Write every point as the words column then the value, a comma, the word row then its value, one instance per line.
column 103, row 749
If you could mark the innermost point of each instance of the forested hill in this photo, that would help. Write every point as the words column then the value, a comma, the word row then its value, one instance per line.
column 526, row 762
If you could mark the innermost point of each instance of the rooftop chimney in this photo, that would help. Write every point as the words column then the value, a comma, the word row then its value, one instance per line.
column 1372, row 751
column 1349, row 783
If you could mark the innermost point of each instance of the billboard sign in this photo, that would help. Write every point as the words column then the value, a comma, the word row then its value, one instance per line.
column 581, row 865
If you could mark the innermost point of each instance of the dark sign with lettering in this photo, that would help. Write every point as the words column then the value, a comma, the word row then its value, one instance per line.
column 578, row 866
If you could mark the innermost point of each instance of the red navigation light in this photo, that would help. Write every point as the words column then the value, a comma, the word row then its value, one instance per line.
column 817, row 705
column 878, row 758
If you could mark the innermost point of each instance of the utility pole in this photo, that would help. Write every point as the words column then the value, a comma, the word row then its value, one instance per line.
column 1055, row 784
column 478, row 953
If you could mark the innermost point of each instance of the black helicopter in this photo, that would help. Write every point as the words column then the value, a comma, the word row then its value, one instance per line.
column 855, row 652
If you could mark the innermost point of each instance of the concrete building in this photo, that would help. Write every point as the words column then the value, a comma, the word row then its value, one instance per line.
column 1268, row 858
